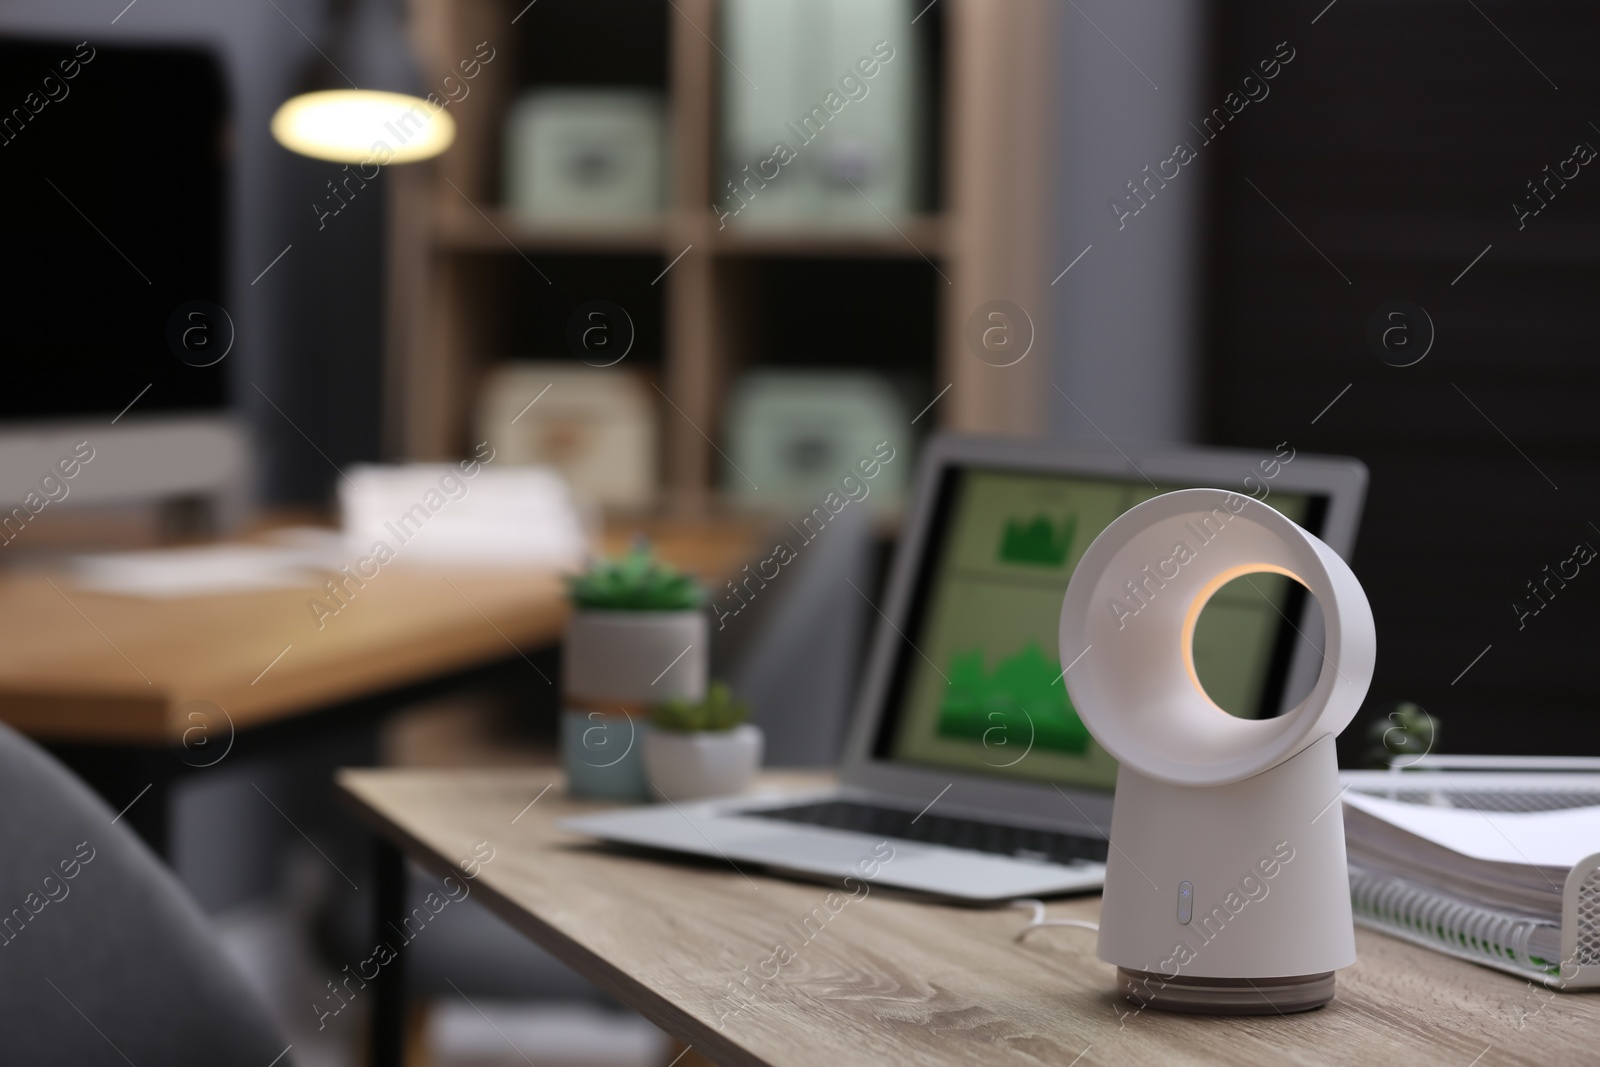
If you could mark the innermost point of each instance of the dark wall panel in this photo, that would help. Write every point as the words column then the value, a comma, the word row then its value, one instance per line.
column 1392, row 149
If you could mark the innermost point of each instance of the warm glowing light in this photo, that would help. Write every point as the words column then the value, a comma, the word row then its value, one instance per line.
column 1192, row 619
column 363, row 126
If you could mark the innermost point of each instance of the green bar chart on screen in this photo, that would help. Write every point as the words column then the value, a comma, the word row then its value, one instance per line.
column 1022, row 697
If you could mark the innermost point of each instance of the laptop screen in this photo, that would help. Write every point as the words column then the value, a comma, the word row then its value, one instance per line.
column 977, row 687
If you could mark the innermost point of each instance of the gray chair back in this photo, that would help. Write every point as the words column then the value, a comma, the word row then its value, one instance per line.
column 104, row 959
column 795, row 652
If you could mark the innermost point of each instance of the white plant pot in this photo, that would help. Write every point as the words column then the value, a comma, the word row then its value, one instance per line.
column 635, row 657
column 687, row 766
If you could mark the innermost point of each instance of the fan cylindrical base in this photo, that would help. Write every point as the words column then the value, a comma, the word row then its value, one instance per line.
column 1225, row 996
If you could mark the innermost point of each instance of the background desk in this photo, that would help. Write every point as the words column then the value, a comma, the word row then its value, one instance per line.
column 115, row 677
column 891, row 980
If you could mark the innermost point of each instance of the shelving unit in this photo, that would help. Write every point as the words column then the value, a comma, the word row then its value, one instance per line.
column 467, row 281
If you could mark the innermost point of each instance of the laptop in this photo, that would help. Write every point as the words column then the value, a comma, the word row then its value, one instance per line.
column 967, row 774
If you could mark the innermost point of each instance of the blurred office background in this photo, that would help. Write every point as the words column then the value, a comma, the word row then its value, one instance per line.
column 1107, row 224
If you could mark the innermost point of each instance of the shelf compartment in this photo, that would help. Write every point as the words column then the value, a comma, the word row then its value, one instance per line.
column 914, row 238
column 461, row 228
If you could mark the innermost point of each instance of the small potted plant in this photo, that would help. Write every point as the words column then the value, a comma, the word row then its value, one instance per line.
column 702, row 748
column 637, row 637
column 1401, row 738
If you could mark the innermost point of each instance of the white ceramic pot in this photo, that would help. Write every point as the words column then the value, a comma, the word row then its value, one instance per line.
column 687, row 766
column 635, row 657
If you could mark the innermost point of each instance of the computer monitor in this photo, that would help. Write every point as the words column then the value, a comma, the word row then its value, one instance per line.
column 114, row 162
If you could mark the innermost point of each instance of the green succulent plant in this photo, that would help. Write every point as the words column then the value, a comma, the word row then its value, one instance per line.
column 637, row 581
column 718, row 711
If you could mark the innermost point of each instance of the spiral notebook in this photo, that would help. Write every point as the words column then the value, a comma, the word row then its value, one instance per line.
column 1490, row 860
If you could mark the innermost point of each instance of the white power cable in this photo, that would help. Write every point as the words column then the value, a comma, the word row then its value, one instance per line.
column 1039, row 920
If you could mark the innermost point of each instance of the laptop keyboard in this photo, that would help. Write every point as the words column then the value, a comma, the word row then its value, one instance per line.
column 1042, row 845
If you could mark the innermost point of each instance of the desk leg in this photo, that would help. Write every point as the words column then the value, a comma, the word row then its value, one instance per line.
column 151, row 815
column 386, row 1042
column 135, row 780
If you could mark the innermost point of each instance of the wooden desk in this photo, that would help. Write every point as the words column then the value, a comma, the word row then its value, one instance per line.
column 95, row 667
column 890, row 980
column 135, row 693
column 81, row 666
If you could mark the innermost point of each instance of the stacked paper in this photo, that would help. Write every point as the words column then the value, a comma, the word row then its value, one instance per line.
column 1477, row 881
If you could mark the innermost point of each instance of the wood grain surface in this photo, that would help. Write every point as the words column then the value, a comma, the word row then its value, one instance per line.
column 91, row 666
column 78, row 665
column 888, row 979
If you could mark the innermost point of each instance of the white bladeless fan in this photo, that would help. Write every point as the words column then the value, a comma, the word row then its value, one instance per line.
column 1226, row 886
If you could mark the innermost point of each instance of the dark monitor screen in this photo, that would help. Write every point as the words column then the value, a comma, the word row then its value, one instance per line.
column 113, row 170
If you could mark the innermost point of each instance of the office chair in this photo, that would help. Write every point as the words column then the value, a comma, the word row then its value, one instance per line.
column 795, row 651
column 104, row 959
